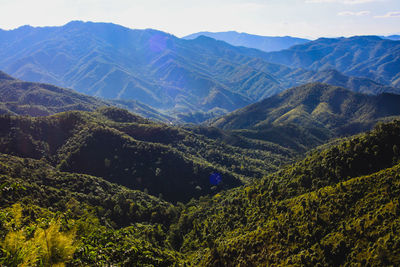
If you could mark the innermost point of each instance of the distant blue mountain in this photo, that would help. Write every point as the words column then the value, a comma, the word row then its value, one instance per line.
column 392, row 37
column 361, row 56
column 264, row 43
column 154, row 67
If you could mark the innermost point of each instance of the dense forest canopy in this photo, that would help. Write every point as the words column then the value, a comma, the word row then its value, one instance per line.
column 329, row 208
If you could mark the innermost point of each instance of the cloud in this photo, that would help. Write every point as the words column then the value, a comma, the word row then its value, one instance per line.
column 346, row 2
column 351, row 13
column 393, row 14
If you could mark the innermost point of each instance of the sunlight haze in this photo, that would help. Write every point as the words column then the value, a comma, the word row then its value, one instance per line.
column 302, row 18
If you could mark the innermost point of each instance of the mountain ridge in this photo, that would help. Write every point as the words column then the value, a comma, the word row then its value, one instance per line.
column 361, row 56
column 264, row 43
column 127, row 149
column 162, row 71
column 314, row 110
column 39, row 99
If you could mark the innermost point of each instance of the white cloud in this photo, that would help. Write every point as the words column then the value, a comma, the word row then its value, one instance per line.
column 351, row 13
column 346, row 2
column 393, row 14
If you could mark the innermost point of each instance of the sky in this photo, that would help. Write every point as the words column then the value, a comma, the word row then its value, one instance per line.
column 301, row 18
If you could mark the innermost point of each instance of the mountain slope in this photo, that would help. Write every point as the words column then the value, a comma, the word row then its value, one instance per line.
column 98, row 59
column 126, row 149
column 362, row 56
column 152, row 67
column 108, row 220
column 38, row 99
column 34, row 99
column 329, row 209
column 356, row 84
column 317, row 103
column 319, row 211
column 264, row 43
column 320, row 110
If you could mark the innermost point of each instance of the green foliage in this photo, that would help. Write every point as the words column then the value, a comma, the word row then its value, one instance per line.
column 359, row 155
column 309, row 115
column 124, row 247
column 43, row 238
column 25, row 179
column 134, row 152
column 329, row 229
column 28, row 245
column 338, row 206
column 306, row 215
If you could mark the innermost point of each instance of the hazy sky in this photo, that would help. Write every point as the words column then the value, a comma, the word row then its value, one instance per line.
column 304, row 18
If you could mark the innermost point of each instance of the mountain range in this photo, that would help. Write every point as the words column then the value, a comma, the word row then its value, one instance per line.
column 132, row 151
column 155, row 68
column 298, row 119
column 264, row 43
column 318, row 104
column 362, row 56
column 37, row 99
column 289, row 163
column 337, row 206
column 310, row 115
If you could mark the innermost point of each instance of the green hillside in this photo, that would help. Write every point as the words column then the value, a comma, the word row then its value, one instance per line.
column 129, row 150
column 329, row 209
column 82, row 220
column 38, row 99
column 35, row 99
column 309, row 115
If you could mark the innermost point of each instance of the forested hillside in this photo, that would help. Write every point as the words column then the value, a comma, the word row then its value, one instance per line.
column 34, row 99
column 38, row 99
column 50, row 217
column 328, row 209
column 309, row 115
column 129, row 150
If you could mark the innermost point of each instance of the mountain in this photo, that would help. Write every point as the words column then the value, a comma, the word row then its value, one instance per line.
column 155, row 68
column 114, row 62
column 356, row 84
column 362, row 56
column 323, row 111
column 392, row 37
column 129, row 150
column 89, row 190
column 264, row 43
column 85, row 183
column 35, row 99
column 38, row 99
column 338, row 206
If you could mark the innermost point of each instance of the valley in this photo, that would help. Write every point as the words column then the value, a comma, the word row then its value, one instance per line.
column 126, row 147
